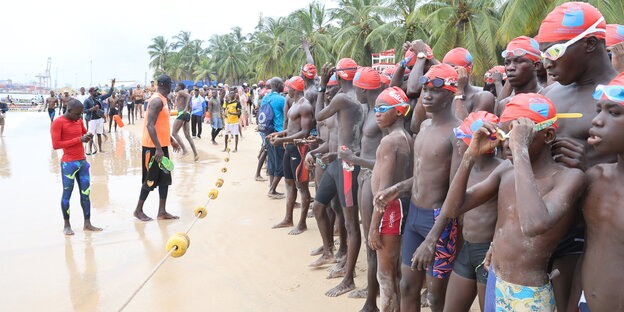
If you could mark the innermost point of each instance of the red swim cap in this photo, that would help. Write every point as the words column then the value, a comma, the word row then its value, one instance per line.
column 332, row 80
column 615, row 34
column 386, row 75
column 309, row 71
column 474, row 121
column 285, row 89
column 530, row 105
column 296, row 83
column 459, row 57
column 367, row 78
column 346, row 68
column 445, row 72
column 412, row 56
column 527, row 44
column 500, row 69
column 261, row 83
column 393, row 96
column 568, row 20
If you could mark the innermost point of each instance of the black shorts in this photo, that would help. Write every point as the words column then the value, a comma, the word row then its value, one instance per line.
column 138, row 101
column 470, row 262
column 112, row 112
column 130, row 106
column 338, row 181
column 186, row 117
column 294, row 169
column 153, row 176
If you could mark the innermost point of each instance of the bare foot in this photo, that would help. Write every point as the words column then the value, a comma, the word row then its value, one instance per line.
column 90, row 227
column 360, row 293
column 366, row 307
column 184, row 152
column 316, row 251
column 214, row 143
column 323, row 260
column 196, row 157
column 283, row 224
column 142, row 216
column 337, row 272
column 297, row 205
column 341, row 255
column 235, row 150
column 167, row 216
column 310, row 214
column 298, row 229
column 260, row 178
column 68, row 231
column 339, row 266
column 342, row 288
column 276, row 196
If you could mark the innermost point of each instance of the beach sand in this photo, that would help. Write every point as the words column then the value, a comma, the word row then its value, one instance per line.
column 235, row 262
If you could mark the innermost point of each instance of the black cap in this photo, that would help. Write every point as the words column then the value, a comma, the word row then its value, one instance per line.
column 164, row 81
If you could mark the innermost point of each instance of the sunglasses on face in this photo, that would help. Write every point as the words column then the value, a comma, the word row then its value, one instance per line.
column 518, row 52
column 436, row 82
column 613, row 93
column 556, row 51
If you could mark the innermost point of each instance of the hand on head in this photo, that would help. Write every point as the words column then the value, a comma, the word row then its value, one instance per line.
column 418, row 46
column 482, row 142
column 462, row 78
column 326, row 73
column 522, row 134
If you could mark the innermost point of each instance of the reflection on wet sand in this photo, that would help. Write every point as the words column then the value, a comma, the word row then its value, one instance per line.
column 83, row 286
column 5, row 166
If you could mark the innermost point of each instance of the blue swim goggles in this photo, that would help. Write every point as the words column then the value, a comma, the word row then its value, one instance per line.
column 384, row 108
column 613, row 93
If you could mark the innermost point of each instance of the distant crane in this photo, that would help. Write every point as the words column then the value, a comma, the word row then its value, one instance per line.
column 45, row 80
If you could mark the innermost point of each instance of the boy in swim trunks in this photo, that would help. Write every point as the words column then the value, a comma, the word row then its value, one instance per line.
column 68, row 132
column 51, row 104
column 300, row 120
column 603, row 259
column 183, row 105
column 393, row 164
column 469, row 274
column 536, row 198
column 434, row 158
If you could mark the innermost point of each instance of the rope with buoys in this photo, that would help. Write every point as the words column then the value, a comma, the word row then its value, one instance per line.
column 178, row 244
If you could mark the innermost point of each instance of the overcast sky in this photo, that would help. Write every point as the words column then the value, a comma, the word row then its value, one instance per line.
column 113, row 34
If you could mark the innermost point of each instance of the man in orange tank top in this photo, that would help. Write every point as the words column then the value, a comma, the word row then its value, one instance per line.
column 156, row 141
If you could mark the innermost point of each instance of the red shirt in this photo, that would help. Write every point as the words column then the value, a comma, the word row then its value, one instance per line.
column 66, row 135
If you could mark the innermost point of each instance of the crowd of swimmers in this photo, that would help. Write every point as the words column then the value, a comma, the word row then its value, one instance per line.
column 508, row 193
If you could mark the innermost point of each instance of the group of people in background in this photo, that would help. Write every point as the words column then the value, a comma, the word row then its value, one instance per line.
column 509, row 193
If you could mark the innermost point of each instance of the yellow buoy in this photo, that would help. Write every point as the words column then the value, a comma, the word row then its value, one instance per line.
column 200, row 212
column 224, row 170
column 213, row 194
column 180, row 243
column 226, row 159
column 219, row 182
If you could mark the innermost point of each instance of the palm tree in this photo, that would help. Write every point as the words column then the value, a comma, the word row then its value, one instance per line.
column 182, row 39
column 358, row 18
column 158, row 52
column 205, row 68
column 270, row 47
column 406, row 26
column 308, row 31
column 471, row 24
column 230, row 60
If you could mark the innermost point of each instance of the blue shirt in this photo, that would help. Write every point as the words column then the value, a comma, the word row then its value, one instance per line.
column 198, row 106
column 277, row 103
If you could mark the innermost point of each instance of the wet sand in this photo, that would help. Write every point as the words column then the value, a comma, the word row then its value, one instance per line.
column 236, row 262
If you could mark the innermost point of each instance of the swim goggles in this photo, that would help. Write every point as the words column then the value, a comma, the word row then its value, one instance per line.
column 518, row 52
column 613, row 93
column 384, row 108
column 437, row 82
column 501, row 135
column 557, row 50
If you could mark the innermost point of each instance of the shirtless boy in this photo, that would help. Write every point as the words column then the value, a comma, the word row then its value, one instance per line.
column 604, row 249
column 367, row 84
column 137, row 96
column 522, row 59
column 300, row 121
column 51, row 104
column 469, row 275
column 433, row 162
column 393, row 164
column 340, row 178
column 183, row 105
column 575, row 56
column 536, row 198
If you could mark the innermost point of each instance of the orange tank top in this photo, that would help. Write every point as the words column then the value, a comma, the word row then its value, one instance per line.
column 163, row 128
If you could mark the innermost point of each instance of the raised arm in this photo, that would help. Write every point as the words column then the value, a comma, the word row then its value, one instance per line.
column 538, row 213
column 110, row 91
